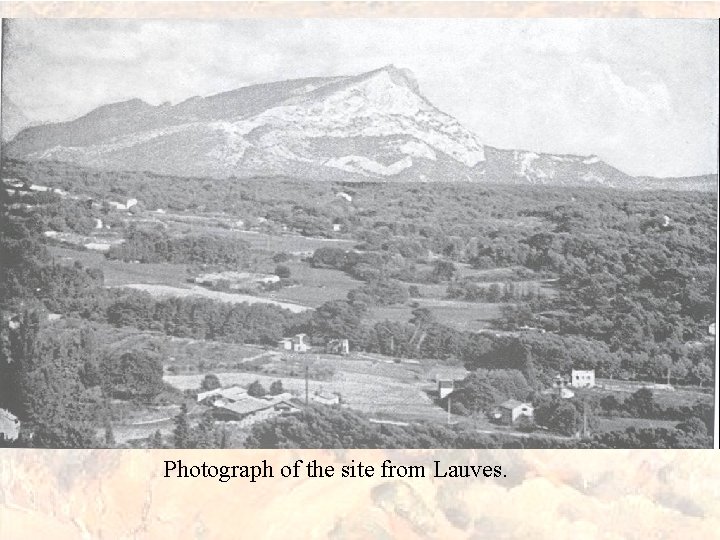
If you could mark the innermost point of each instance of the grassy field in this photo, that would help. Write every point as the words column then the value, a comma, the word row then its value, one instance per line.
column 118, row 273
column 471, row 316
column 316, row 285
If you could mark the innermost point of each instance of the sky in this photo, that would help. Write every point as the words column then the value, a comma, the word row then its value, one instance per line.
column 642, row 94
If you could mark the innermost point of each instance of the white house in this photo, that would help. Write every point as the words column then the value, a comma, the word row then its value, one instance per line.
column 445, row 387
column 294, row 344
column 512, row 409
column 338, row 346
column 582, row 378
column 9, row 425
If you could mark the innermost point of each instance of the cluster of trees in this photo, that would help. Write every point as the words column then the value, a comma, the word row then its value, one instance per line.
column 330, row 427
column 642, row 404
column 379, row 293
column 156, row 245
column 483, row 389
column 57, row 378
column 200, row 318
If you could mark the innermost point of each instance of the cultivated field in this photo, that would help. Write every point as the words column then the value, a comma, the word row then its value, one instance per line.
column 374, row 384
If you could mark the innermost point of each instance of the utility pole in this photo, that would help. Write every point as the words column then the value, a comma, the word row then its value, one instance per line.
column 448, row 410
column 584, row 419
column 307, row 398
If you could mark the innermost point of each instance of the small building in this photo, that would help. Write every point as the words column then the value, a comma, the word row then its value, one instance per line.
column 326, row 399
column 98, row 223
column 35, row 187
column 338, row 346
column 337, row 227
column 511, row 410
column 582, row 378
column 445, row 387
column 711, row 329
column 294, row 344
column 9, row 426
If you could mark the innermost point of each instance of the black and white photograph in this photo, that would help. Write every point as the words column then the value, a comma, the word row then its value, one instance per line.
column 358, row 233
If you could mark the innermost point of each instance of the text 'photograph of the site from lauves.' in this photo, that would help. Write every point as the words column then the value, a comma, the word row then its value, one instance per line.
column 358, row 233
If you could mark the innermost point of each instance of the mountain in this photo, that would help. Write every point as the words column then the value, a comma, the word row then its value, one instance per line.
column 372, row 126
column 13, row 119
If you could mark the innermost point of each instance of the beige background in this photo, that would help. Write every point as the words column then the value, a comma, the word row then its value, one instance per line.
column 547, row 494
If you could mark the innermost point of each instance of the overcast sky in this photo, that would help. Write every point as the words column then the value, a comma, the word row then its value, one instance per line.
column 641, row 94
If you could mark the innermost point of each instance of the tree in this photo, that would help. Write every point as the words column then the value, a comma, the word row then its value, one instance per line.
column 276, row 388
column 256, row 389
column 475, row 393
column 210, row 382
column 282, row 271
column 109, row 436
column 156, row 440
column 181, row 433
column 443, row 270
column 642, row 402
column 136, row 374
column 564, row 418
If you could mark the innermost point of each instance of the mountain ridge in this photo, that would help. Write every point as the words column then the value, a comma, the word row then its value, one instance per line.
column 375, row 125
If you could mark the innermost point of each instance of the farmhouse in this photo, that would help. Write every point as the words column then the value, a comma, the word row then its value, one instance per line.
column 9, row 426
column 581, row 378
column 120, row 206
column 338, row 346
column 511, row 410
column 249, row 409
column 294, row 344
column 445, row 387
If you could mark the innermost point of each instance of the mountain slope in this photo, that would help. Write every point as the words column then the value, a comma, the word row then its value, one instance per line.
column 372, row 126
column 13, row 119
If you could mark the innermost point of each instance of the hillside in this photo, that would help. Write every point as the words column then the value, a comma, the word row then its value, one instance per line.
column 374, row 126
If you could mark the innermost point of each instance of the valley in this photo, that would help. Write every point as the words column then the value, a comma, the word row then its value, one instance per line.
column 484, row 288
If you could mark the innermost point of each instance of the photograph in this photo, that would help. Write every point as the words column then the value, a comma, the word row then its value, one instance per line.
column 358, row 233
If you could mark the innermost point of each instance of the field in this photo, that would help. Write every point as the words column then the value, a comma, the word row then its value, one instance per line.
column 371, row 384
column 119, row 273
column 315, row 285
column 472, row 316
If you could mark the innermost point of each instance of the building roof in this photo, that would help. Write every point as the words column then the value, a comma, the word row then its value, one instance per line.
column 513, row 404
column 245, row 405
column 230, row 393
column 7, row 415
